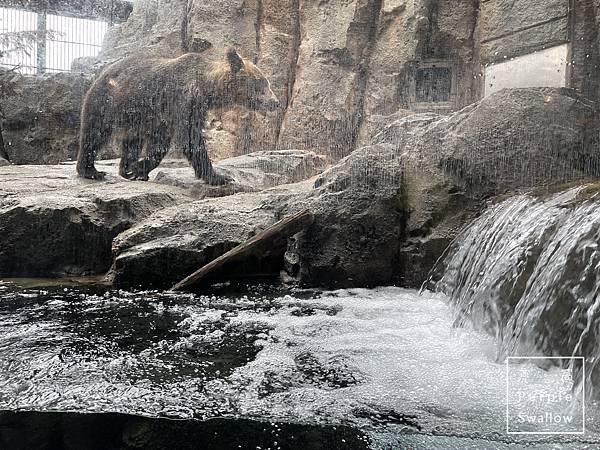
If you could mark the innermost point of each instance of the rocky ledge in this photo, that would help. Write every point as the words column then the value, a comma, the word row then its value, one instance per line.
column 53, row 223
column 383, row 215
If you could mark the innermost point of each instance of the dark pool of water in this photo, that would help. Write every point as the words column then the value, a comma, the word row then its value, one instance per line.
column 72, row 431
column 87, row 367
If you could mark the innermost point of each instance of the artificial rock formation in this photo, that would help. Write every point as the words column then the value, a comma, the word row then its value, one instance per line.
column 331, row 63
column 385, row 213
column 251, row 172
column 526, row 272
column 358, row 215
column 511, row 141
column 340, row 68
column 54, row 223
column 40, row 123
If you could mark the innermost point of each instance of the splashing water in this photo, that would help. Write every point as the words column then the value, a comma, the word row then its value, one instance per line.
column 386, row 361
column 527, row 272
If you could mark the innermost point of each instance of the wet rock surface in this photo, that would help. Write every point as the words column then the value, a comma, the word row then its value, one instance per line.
column 40, row 124
column 525, row 272
column 384, row 214
column 353, row 241
column 252, row 172
column 175, row 242
column 359, row 222
column 514, row 139
column 54, row 223
column 511, row 141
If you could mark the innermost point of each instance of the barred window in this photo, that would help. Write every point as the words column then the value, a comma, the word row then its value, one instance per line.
column 433, row 84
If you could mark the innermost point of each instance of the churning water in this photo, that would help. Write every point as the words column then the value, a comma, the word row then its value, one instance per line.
column 388, row 363
column 528, row 272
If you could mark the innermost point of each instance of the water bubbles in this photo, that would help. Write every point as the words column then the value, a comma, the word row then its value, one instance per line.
column 526, row 272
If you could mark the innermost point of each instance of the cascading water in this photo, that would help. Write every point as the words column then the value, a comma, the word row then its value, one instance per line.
column 527, row 271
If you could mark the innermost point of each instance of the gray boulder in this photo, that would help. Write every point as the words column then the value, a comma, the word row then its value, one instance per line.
column 359, row 222
column 384, row 214
column 354, row 240
column 41, row 122
column 172, row 243
column 513, row 139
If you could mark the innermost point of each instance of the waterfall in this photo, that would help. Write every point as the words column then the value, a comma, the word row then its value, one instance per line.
column 528, row 271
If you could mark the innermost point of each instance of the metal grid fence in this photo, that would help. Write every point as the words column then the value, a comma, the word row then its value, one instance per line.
column 54, row 42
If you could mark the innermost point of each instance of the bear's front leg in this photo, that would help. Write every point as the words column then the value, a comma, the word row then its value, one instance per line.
column 197, row 155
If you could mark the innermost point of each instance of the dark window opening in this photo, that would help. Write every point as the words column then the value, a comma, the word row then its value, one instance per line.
column 433, row 84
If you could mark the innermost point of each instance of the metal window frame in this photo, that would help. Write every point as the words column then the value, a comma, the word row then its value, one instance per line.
column 433, row 106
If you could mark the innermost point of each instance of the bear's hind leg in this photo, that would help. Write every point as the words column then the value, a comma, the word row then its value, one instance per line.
column 157, row 148
column 130, row 153
column 92, row 138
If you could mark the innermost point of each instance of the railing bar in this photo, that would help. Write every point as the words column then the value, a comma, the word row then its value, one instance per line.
column 75, row 43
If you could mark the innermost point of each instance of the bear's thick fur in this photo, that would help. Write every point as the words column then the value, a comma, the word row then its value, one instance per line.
column 149, row 103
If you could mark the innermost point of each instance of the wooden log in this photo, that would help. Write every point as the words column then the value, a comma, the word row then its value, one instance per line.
column 282, row 229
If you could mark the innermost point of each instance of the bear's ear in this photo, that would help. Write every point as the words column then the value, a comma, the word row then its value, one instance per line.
column 235, row 60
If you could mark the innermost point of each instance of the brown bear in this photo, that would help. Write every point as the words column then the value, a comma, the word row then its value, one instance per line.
column 149, row 103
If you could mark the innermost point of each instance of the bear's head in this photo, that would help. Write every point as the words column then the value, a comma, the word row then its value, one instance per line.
column 239, row 82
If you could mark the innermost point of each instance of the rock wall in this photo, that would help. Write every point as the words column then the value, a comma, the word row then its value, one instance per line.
column 385, row 213
column 585, row 51
column 514, row 27
column 332, row 63
column 41, row 122
column 342, row 69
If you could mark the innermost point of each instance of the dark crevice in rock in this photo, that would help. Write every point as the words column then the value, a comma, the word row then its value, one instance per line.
column 425, row 12
column 185, row 38
column 3, row 153
column 368, row 18
column 337, row 57
column 286, row 102
column 586, row 52
column 258, row 25
column 475, row 66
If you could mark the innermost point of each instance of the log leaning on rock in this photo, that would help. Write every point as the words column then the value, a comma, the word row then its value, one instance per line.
column 282, row 229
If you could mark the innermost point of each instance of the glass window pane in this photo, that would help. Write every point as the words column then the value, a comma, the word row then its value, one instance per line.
column 540, row 69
